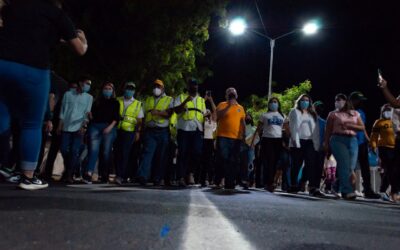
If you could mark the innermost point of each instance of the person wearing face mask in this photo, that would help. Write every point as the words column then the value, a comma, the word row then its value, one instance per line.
column 102, row 133
column 271, row 124
column 158, row 110
column 230, row 135
column 190, row 108
column 74, row 117
column 304, row 143
column 340, row 140
column 357, row 99
column 210, row 127
column 129, row 128
column 383, row 139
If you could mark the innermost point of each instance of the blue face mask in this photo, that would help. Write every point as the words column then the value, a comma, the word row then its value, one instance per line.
column 107, row 93
column 85, row 88
column 273, row 106
column 129, row 93
column 304, row 104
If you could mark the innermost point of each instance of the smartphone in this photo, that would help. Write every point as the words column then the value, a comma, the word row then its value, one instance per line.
column 380, row 75
column 208, row 93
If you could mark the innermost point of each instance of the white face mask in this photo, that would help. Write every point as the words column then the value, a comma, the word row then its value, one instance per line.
column 339, row 104
column 387, row 114
column 157, row 91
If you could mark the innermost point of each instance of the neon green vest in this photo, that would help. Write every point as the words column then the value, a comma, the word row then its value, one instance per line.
column 192, row 114
column 128, row 116
column 162, row 105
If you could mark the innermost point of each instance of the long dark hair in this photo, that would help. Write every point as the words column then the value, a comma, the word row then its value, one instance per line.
column 310, row 108
column 279, row 105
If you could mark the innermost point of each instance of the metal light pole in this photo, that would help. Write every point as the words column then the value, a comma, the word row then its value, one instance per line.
column 271, row 62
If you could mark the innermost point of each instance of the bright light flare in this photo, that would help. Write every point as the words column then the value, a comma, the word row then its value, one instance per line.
column 310, row 28
column 237, row 26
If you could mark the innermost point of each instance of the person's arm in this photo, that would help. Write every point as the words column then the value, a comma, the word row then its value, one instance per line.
column 388, row 95
column 328, row 132
column 259, row 126
column 64, row 107
column 213, row 107
column 221, row 112
column 180, row 108
column 359, row 126
column 79, row 44
column 115, row 121
column 374, row 135
column 294, row 127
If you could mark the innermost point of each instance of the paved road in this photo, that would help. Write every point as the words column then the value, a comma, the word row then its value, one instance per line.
column 111, row 217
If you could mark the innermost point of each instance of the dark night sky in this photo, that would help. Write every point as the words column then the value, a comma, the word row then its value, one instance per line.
column 356, row 38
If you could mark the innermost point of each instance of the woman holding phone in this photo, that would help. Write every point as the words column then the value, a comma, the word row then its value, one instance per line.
column 30, row 29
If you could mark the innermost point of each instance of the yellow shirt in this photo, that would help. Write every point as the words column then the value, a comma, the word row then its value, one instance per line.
column 230, row 125
column 382, row 134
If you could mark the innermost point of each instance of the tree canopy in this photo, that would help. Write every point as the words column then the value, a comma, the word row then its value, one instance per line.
column 141, row 40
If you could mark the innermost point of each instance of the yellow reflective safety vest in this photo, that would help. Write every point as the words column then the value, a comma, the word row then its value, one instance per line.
column 161, row 105
column 193, row 110
column 129, row 115
column 173, row 120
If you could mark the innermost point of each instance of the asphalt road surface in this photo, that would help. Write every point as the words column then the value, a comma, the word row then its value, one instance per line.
column 129, row 217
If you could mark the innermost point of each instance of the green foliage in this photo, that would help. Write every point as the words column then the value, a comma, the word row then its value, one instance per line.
column 256, row 105
column 141, row 40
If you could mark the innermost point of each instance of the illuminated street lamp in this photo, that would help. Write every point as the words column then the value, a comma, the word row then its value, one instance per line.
column 238, row 27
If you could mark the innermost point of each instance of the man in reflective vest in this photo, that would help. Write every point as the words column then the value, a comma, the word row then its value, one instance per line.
column 131, row 113
column 190, row 109
column 157, row 109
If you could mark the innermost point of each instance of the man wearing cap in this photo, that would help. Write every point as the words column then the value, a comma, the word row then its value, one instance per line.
column 230, row 134
column 190, row 108
column 357, row 99
column 131, row 113
column 158, row 110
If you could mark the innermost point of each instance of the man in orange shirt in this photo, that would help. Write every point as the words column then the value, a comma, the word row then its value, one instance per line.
column 230, row 134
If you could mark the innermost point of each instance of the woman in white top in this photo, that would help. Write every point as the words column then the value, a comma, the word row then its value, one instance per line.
column 304, row 142
column 210, row 126
column 271, row 124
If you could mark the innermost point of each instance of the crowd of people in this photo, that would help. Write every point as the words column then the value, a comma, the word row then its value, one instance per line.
column 174, row 141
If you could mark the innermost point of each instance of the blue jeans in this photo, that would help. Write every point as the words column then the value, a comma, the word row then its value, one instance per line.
column 345, row 151
column 71, row 143
column 100, row 141
column 190, row 144
column 123, row 149
column 155, row 145
column 24, row 92
column 229, row 152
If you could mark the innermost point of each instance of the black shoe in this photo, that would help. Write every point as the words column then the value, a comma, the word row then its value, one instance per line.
column 32, row 183
column 6, row 172
column 87, row 179
column 293, row 190
column 142, row 181
column 14, row 178
column 369, row 194
column 317, row 193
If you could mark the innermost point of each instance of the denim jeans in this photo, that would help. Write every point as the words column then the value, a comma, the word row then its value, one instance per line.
column 71, row 143
column 229, row 152
column 98, row 141
column 155, row 145
column 24, row 92
column 190, row 145
column 123, row 147
column 345, row 150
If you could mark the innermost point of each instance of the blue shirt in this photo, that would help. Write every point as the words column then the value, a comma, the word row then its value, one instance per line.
column 74, row 110
column 322, row 125
column 360, row 134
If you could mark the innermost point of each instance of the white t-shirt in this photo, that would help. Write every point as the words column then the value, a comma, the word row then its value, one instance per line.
column 272, row 124
column 129, row 102
column 209, row 128
column 306, row 126
column 191, row 125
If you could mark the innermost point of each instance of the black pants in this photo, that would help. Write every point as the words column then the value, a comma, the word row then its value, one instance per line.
column 387, row 156
column 395, row 171
column 207, row 169
column 271, row 149
column 364, row 164
column 307, row 154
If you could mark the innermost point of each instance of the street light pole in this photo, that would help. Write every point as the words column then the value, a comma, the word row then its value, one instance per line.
column 271, row 62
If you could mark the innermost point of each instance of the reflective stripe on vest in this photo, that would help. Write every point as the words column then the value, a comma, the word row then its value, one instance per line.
column 192, row 114
column 129, row 115
column 161, row 105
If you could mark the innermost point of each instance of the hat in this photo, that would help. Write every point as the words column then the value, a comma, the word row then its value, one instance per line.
column 357, row 95
column 159, row 82
column 130, row 84
column 192, row 81
column 318, row 103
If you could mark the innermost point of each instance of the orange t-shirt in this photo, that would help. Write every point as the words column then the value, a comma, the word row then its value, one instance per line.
column 229, row 125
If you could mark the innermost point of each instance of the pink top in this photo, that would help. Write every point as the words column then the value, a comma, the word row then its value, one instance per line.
column 341, row 118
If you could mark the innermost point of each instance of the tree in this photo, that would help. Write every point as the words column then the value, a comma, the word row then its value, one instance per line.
column 256, row 105
column 141, row 40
